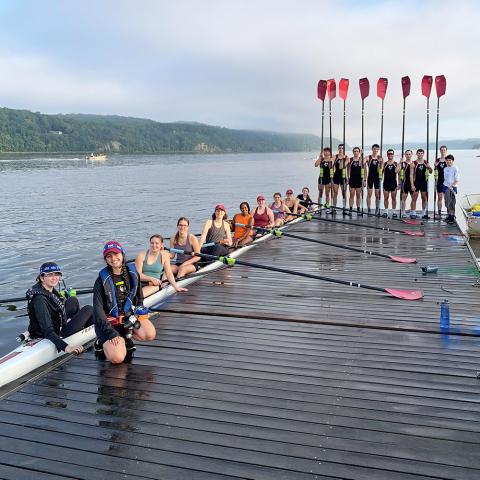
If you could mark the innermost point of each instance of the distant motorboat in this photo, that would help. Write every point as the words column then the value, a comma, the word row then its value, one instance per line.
column 470, row 205
column 96, row 156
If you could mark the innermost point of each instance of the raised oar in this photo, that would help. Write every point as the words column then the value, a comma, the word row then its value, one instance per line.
column 331, row 90
column 343, row 91
column 381, row 92
column 364, row 85
column 408, row 221
column 281, row 233
column 402, row 294
column 427, row 81
column 406, row 92
column 440, row 87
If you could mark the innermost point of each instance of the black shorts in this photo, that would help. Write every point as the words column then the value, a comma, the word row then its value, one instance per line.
column 421, row 186
column 439, row 186
column 355, row 182
column 390, row 186
column 338, row 179
column 407, row 188
column 324, row 180
column 373, row 182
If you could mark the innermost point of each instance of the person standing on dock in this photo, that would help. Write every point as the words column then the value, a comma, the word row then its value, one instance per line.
column 374, row 165
column 450, row 187
column 51, row 315
column 324, row 161
column 118, row 306
column 340, row 176
column 390, row 184
column 421, row 173
column 355, row 181
column 407, row 182
column 440, row 164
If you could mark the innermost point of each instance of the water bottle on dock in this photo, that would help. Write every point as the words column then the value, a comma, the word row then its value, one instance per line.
column 444, row 316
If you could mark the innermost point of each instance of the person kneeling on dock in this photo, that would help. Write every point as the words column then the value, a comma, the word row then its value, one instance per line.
column 152, row 265
column 51, row 315
column 216, row 236
column 118, row 306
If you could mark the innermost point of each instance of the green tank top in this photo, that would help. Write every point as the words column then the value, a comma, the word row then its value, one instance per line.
column 155, row 269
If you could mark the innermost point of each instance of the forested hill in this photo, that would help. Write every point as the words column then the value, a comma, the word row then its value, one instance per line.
column 24, row 131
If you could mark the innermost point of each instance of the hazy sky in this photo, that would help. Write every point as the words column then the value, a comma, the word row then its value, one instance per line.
column 243, row 64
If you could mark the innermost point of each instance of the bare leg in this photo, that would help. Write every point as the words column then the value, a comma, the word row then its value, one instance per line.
column 394, row 199
column 358, row 192
column 369, row 197
column 335, row 194
column 115, row 353
column 146, row 331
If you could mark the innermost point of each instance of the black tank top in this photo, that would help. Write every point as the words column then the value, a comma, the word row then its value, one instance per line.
column 355, row 169
column 325, row 168
column 373, row 167
column 389, row 174
column 420, row 172
column 440, row 169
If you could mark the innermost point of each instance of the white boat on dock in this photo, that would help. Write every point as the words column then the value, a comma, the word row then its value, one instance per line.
column 470, row 205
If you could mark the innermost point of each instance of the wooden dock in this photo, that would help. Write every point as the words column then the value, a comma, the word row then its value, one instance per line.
column 257, row 375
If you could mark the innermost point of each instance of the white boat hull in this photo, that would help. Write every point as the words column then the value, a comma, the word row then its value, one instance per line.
column 36, row 353
column 472, row 221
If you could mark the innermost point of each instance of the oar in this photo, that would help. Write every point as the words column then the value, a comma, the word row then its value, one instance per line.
column 408, row 221
column 406, row 92
column 331, row 90
column 364, row 85
column 401, row 294
column 427, row 81
column 321, row 93
column 440, row 87
column 342, row 92
column 279, row 233
column 381, row 92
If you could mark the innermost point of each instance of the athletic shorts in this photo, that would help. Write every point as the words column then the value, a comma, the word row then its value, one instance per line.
column 439, row 186
column 389, row 186
column 407, row 188
column 338, row 179
column 373, row 182
column 324, row 180
column 421, row 186
column 355, row 183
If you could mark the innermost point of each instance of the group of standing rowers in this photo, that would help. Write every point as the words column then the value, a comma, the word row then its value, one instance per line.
column 372, row 171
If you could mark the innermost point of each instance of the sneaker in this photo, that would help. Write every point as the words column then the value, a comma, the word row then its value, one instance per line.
column 404, row 215
column 413, row 216
column 130, row 346
column 425, row 217
column 385, row 215
column 334, row 212
column 348, row 213
column 369, row 211
column 97, row 347
column 395, row 215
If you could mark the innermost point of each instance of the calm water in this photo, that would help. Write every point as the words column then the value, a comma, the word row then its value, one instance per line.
column 64, row 209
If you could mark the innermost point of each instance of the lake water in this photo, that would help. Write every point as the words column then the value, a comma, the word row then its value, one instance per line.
column 65, row 209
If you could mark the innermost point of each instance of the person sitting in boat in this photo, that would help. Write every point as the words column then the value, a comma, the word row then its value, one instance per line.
column 293, row 204
column 279, row 209
column 262, row 215
column 242, row 235
column 152, row 265
column 185, row 263
column 52, row 316
column 118, row 306
column 304, row 199
column 216, row 235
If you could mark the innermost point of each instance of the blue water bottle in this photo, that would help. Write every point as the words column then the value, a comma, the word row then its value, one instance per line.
column 444, row 316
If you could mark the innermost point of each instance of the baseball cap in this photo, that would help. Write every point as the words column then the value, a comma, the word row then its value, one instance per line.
column 220, row 206
column 260, row 197
column 289, row 191
column 49, row 267
column 112, row 247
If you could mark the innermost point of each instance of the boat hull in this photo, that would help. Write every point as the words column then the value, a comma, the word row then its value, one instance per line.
column 472, row 219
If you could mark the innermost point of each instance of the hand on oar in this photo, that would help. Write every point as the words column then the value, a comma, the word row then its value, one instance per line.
column 393, row 258
column 401, row 294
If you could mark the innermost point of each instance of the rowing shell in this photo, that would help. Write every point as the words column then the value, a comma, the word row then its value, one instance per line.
column 36, row 353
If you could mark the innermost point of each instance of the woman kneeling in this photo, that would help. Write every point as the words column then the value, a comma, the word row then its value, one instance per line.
column 118, row 306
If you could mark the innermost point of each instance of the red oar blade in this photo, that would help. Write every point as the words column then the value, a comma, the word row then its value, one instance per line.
column 410, row 221
column 405, row 294
column 427, row 81
column 414, row 234
column 394, row 258
column 321, row 89
column 331, row 89
column 382, row 88
column 440, row 85
column 406, row 86
column 343, row 88
column 364, row 87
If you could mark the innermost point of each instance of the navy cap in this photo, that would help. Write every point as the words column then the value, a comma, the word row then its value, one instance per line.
column 49, row 267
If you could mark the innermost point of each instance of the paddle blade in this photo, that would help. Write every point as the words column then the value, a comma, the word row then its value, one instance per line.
column 331, row 89
column 343, row 88
column 410, row 221
column 382, row 88
column 405, row 294
column 440, row 85
column 406, row 86
column 427, row 81
column 393, row 258
column 364, row 87
column 414, row 234
column 321, row 89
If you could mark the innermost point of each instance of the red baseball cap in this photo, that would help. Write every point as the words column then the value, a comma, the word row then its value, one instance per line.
column 220, row 206
column 112, row 247
column 260, row 197
column 289, row 191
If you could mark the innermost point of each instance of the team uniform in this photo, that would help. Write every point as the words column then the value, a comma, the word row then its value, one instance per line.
column 390, row 177
column 338, row 178
column 441, row 175
column 355, row 180
column 407, row 184
column 324, row 178
column 373, row 179
column 421, row 177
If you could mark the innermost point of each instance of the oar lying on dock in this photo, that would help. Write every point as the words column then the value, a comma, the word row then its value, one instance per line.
column 408, row 221
column 309, row 216
column 402, row 294
column 280, row 233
